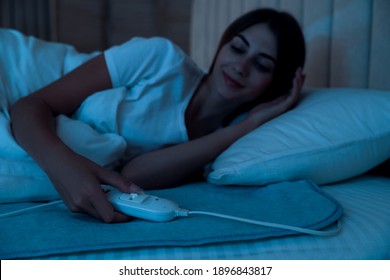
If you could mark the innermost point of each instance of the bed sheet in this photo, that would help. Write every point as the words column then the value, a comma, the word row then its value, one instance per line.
column 365, row 234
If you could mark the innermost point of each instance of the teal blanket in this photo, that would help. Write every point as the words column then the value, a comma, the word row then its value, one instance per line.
column 54, row 230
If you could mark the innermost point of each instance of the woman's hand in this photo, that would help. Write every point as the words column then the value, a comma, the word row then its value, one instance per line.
column 78, row 181
column 269, row 110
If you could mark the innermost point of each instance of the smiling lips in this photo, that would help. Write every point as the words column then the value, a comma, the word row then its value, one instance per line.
column 231, row 82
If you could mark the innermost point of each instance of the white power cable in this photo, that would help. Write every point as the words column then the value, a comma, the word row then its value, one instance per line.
column 22, row 211
column 331, row 232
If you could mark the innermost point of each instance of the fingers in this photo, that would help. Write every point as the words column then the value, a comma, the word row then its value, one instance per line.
column 79, row 184
column 296, row 89
column 298, row 81
column 91, row 198
column 104, row 208
column 97, row 205
column 101, row 208
column 119, row 182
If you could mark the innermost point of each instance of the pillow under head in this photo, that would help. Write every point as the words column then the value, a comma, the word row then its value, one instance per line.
column 331, row 135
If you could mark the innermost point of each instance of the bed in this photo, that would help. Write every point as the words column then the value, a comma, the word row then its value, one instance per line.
column 335, row 143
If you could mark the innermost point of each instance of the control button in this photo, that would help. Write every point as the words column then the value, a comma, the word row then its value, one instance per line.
column 134, row 197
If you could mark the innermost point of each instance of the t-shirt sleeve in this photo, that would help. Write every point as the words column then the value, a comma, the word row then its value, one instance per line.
column 141, row 59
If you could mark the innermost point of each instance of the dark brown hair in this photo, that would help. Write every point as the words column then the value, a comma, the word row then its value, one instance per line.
column 291, row 50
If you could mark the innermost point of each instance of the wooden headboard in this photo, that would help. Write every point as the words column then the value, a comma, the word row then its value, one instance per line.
column 348, row 41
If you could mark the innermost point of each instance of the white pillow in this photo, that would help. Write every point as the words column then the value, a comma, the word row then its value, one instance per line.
column 103, row 148
column 21, row 179
column 331, row 135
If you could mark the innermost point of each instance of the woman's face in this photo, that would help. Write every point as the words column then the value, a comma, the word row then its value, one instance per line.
column 245, row 66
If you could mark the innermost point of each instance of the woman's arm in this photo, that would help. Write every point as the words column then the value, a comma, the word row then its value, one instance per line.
column 76, row 178
column 176, row 164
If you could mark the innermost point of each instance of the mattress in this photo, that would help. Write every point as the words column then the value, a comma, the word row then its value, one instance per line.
column 365, row 234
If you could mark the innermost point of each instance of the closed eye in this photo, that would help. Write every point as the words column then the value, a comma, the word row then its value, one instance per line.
column 236, row 49
column 238, row 45
column 262, row 68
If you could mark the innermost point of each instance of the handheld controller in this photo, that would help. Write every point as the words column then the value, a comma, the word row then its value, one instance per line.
column 142, row 205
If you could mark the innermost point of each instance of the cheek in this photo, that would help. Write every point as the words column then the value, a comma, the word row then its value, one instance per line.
column 260, row 85
column 224, row 57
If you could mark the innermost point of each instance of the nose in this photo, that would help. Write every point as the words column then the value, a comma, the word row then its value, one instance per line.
column 241, row 67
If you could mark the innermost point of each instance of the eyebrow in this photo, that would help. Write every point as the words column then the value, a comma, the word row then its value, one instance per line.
column 263, row 54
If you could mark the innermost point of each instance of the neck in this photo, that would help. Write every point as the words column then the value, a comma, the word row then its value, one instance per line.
column 206, row 111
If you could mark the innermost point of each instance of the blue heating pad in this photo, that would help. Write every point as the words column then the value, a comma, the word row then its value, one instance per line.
column 54, row 230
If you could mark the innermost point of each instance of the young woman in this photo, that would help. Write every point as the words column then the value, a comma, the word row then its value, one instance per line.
column 174, row 117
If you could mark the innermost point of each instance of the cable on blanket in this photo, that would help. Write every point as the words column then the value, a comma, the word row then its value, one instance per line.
column 29, row 209
column 331, row 232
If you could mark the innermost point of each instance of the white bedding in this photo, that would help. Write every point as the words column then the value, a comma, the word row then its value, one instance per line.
column 365, row 234
column 20, row 178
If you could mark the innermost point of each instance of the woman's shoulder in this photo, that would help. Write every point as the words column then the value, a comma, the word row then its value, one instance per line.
column 145, row 57
column 153, row 45
column 155, row 42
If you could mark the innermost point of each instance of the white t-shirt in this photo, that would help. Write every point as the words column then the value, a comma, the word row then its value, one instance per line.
column 153, row 82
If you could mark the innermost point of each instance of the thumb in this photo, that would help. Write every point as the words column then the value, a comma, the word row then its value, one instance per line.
column 119, row 182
